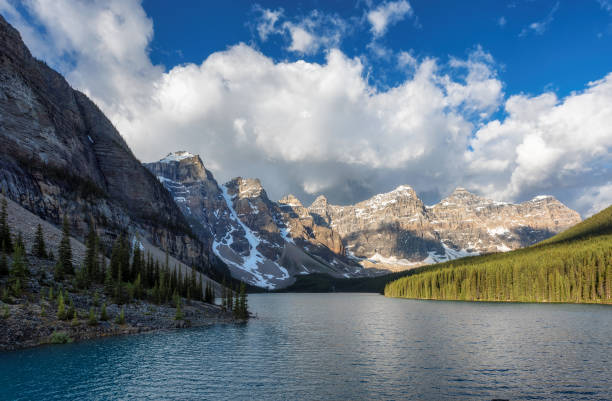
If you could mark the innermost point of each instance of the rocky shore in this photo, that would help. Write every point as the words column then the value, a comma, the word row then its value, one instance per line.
column 29, row 323
column 32, row 318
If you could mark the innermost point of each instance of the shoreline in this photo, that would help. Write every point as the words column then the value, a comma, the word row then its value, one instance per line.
column 27, row 328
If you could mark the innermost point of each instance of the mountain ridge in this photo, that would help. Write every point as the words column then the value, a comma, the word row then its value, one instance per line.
column 387, row 232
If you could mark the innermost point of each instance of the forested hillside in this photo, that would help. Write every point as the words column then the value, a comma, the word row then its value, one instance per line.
column 573, row 266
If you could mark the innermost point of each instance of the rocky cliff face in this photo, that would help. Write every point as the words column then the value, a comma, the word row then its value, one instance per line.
column 59, row 155
column 396, row 230
column 262, row 242
column 268, row 243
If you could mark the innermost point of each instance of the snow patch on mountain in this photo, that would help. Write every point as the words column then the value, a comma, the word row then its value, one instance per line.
column 255, row 259
column 499, row 231
column 391, row 260
column 449, row 254
column 176, row 156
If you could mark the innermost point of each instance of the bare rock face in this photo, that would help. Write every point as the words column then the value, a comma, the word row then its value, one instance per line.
column 309, row 227
column 59, row 155
column 268, row 243
column 397, row 229
column 262, row 242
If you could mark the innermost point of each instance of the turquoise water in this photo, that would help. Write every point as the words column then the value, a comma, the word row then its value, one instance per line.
column 338, row 346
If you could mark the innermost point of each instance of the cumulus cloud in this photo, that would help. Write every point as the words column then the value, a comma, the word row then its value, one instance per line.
column 546, row 144
column 387, row 14
column 502, row 21
column 539, row 27
column 307, row 35
column 311, row 128
column 267, row 22
column 406, row 59
column 596, row 199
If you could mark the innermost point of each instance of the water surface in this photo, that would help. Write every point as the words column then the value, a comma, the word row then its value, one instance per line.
column 338, row 346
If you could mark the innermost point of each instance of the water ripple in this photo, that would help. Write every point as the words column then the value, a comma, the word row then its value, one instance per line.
column 338, row 346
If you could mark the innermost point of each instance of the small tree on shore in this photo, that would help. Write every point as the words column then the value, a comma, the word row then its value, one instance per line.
column 121, row 318
column 92, row 321
column 91, row 255
column 65, row 250
column 4, row 270
column 179, row 313
column 39, row 249
column 103, row 314
column 20, row 268
column 5, row 231
column 61, row 307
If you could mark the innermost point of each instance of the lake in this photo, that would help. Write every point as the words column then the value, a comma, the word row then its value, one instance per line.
column 338, row 346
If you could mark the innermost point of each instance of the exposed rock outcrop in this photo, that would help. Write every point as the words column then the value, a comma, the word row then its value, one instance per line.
column 397, row 229
column 268, row 243
column 262, row 242
column 59, row 155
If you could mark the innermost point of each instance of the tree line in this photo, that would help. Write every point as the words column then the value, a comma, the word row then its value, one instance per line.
column 575, row 266
column 131, row 274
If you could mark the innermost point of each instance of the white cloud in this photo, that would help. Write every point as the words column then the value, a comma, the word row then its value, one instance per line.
column 547, row 144
column 596, row 199
column 387, row 14
column 406, row 59
column 267, row 22
column 302, row 41
column 539, row 27
column 308, row 128
column 307, row 35
column 502, row 21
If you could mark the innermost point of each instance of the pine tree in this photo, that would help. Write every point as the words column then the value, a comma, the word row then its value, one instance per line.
column 223, row 295
column 230, row 299
column 39, row 249
column 61, row 307
column 65, row 250
column 19, row 268
column 5, row 231
column 179, row 313
column 91, row 254
column 124, row 257
column 103, row 314
column 92, row 321
column 4, row 270
column 19, row 242
column 115, row 260
column 121, row 318
column 138, row 287
column 109, row 285
column 75, row 319
column 71, row 309
column 136, row 262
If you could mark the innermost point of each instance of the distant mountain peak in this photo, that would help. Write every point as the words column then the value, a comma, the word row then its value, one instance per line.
column 291, row 200
column 177, row 156
column 320, row 201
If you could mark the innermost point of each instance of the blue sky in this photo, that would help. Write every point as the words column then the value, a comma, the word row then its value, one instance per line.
column 575, row 47
column 509, row 99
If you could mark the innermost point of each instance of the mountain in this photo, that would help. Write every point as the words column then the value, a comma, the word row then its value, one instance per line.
column 574, row 266
column 269, row 244
column 264, row 243
column 60, row 155
column 397, row 230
